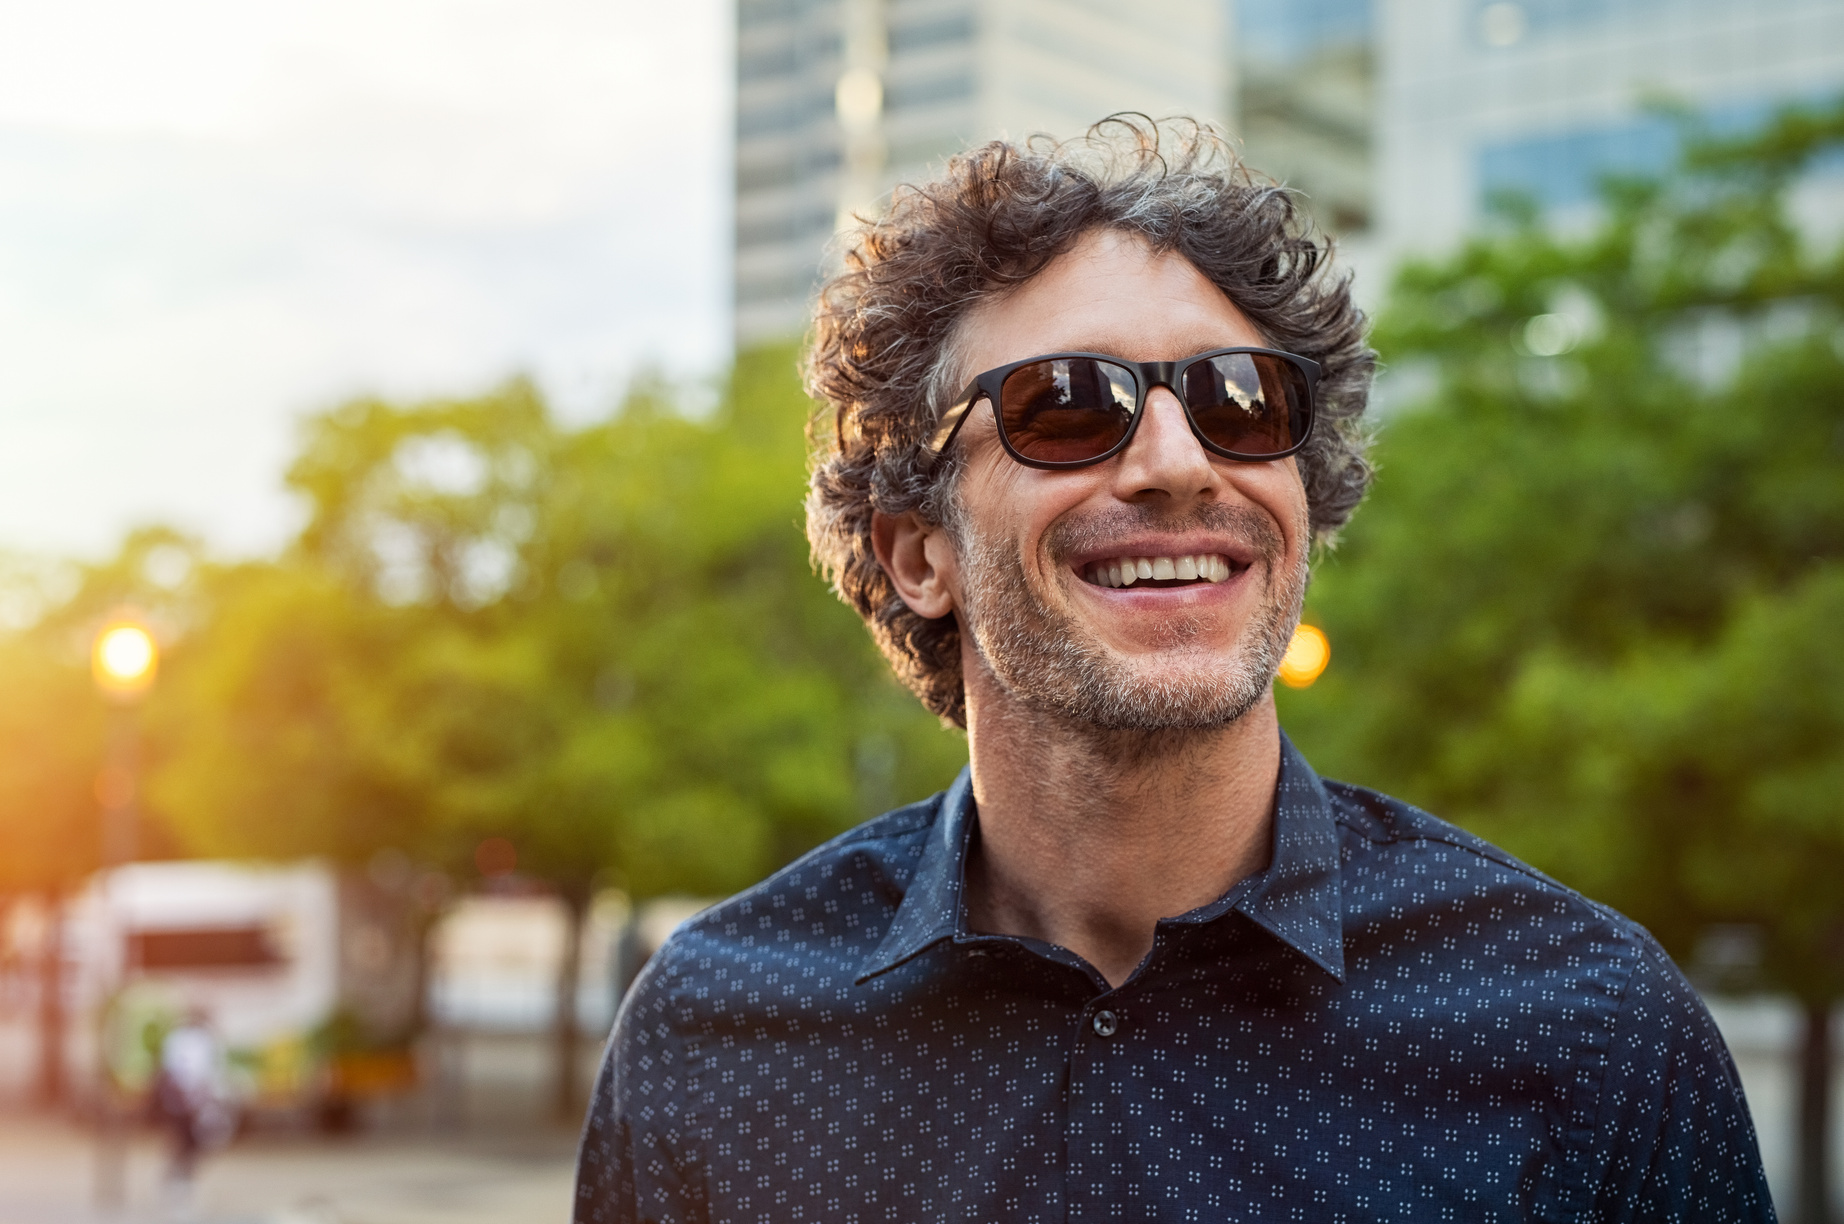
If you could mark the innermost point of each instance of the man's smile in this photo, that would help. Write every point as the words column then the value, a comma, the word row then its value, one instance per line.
column 1180, row 570
column 1108, row 553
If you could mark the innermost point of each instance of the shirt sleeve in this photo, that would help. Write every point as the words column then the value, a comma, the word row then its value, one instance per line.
column 1673, row 1140
column 632, row 1165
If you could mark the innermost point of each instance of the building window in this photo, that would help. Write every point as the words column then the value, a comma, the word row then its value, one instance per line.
column 935, row 31
column 751, row 13
column 789, row 227
column 1292, row 30
column 769, row 174
column 786, row 58
column 1565, row 169
column 928, row 91
column 780, row 287
column 1505, row 23
column 1306, row 87
column 783, row 114
column 773, row 62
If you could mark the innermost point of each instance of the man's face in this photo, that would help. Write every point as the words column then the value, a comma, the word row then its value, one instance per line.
column 1032, row 546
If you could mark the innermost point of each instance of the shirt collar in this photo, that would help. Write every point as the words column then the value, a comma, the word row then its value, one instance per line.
column 1297, row 899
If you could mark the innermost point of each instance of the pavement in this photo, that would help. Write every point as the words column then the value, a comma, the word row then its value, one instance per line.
column 48, row 1170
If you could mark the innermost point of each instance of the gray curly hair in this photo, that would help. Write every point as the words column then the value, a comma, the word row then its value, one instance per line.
column 882, row 362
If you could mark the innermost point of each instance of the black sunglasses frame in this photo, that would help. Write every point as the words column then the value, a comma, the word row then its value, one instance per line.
column 1146, row 375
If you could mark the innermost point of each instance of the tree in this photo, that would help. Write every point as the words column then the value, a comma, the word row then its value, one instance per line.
column 51, row 739
column 718, row 711
column 1590, row 610
column 376, row 690
column 604, row 645
column 54, row 727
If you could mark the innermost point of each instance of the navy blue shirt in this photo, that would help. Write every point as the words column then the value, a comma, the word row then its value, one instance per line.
column 1394, row 1021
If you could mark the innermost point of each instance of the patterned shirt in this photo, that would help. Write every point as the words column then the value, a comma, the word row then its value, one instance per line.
column 1393, row 1021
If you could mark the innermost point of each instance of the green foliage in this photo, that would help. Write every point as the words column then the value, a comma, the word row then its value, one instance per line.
column 54, row 726
column 51, row 738
column 1591, row 608
column 604, row 644
column 282, row 723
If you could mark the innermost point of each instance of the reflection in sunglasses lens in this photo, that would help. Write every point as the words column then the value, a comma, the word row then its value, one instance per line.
column 1246, row 403
column 1067, row 410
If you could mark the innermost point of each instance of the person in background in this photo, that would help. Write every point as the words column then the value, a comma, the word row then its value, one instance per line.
column 190, row 1100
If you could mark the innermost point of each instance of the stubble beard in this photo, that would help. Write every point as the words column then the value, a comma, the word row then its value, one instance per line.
column 1049, row 663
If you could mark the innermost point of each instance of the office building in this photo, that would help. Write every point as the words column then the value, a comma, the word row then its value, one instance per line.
column 1398, row 120
column 1305, row 73
column 1544, row 97
column 838, row 100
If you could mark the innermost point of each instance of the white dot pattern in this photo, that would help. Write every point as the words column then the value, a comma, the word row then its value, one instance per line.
column 1395, row 1021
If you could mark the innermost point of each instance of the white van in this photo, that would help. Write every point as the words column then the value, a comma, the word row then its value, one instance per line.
column 308, row 977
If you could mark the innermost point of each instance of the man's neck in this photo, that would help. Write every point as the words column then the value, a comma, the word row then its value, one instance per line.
column 1088, row 838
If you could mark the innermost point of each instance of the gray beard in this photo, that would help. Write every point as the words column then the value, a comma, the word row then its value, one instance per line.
column 1047, row 663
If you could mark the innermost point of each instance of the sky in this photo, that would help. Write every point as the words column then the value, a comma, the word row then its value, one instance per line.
column 218, row 216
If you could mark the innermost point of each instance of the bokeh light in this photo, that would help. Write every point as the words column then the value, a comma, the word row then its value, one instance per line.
column 124, row 659
column 1306, row 657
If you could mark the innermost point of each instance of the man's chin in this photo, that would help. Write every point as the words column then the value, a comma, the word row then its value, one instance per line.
column 1182, row 690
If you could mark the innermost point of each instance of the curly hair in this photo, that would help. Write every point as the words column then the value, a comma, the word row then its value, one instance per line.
column 882, row 361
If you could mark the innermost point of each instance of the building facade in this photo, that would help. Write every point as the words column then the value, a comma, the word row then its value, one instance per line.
column 1400, row 121
column 1543, row 97
column 839, row 100
column 1305, row 106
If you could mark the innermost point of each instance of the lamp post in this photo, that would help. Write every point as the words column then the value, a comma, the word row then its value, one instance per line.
column 123, row 662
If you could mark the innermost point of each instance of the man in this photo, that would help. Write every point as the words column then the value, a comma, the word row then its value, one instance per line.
column 1092, row 407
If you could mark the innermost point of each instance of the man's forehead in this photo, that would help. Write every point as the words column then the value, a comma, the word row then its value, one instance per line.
column 1110, row 293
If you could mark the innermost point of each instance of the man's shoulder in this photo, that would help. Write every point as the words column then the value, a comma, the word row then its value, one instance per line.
column 1417, row 889
column 1466, row 866
column 830, row 906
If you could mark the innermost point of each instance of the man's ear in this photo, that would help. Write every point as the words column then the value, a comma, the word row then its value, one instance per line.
column 920, row 559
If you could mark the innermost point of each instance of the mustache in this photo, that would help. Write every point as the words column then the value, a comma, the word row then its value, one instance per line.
column 1245, row 524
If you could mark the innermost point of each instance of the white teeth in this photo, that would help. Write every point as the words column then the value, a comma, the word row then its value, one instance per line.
column 1125, row 571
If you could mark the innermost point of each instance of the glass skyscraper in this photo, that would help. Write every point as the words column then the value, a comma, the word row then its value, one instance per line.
column 838, row 100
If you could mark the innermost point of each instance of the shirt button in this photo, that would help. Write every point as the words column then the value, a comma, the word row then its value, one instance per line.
column 1106, row 1023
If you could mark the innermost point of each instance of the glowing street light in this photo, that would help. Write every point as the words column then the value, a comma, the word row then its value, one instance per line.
column 1306, row 657
column 124, row 659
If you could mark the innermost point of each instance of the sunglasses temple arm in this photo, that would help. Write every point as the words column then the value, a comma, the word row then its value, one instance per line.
column 949, row 426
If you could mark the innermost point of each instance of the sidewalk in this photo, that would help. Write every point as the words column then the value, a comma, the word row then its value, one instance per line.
column 47, row 1171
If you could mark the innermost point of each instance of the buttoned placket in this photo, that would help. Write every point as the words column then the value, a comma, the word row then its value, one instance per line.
column 1101, row 1140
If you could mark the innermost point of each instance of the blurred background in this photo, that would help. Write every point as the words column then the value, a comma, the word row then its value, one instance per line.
column 405, row 619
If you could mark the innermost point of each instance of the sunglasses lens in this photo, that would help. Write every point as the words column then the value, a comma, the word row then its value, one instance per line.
column 1249, row 404
column 1067, row 410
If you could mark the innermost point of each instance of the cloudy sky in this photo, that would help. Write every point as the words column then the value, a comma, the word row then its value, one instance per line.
column 217, row 215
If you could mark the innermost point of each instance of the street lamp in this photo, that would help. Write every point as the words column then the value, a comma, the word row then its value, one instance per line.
column 123, row 661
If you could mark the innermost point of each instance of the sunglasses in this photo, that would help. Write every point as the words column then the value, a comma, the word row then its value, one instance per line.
column 1068, row 410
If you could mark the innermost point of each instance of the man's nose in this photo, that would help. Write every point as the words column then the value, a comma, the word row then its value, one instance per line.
column 1165, row 458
